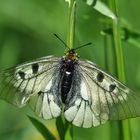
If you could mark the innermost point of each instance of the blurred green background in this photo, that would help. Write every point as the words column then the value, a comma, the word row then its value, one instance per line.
column 26, row 32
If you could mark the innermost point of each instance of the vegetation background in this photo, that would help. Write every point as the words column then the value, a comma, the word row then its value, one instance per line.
column 26, row 32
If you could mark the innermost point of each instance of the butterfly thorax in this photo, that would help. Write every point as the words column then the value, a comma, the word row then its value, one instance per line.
column 68, row 63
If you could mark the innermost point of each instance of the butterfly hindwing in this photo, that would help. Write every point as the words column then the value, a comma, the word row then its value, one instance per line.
column 32, row 80
column 80, row 111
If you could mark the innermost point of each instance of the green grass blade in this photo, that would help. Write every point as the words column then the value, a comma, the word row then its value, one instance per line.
column 42, row 129
column 101, row 7
column 124, row 125
column 62, row 127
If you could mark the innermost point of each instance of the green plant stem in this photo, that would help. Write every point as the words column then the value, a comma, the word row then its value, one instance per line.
column 62, row 126
column 124, row 126
column 71, row 23
column 118, row 51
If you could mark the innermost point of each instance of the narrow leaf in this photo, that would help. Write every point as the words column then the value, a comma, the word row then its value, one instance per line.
column 67, row 1
column 42, row 129
column 62, row 127
column 101, row 7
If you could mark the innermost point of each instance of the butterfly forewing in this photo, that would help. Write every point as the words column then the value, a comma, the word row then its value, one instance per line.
column 33, row 80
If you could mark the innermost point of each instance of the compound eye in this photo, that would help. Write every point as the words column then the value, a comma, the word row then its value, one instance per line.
column 72, row 51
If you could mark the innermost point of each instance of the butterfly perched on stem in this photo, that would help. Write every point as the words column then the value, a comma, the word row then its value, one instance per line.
column 88, row 95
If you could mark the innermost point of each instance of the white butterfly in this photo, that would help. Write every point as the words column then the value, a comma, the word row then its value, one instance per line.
column 89, row 95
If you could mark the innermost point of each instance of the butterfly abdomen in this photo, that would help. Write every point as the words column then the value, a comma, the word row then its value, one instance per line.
column 67, row 72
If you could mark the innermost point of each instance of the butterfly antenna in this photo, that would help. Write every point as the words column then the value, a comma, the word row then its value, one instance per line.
column 87, row 44
column 66, row 46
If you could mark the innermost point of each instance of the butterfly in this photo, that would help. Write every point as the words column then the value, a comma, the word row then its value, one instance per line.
column 86, row 95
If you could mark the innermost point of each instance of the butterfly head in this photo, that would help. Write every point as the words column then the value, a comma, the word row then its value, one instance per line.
column 71, row 55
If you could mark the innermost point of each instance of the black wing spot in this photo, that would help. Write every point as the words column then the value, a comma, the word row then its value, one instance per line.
column 35, row 68
column 100, row 77
column 40, row 92
column 112, row 87
column 21, row 74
